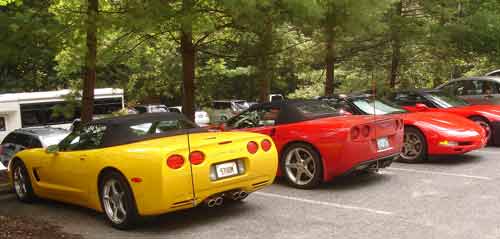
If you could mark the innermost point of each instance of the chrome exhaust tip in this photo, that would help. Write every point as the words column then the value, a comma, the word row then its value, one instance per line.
column 219, row 201
column 243, row 195
column 211, row 203
column 236, row 195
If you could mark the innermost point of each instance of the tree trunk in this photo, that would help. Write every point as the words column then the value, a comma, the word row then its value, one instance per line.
column 330, row 63
column 264, row 64
column 89, row 79
column 188, row 53
column 395, row 44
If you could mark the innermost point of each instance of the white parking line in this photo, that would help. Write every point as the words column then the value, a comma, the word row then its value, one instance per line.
column 439, row 173
column 329, row 204
column 489, row 151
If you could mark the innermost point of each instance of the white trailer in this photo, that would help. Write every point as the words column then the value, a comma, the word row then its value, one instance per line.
column 34, row 109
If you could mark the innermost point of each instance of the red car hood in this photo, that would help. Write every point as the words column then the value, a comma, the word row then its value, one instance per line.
column 441, row 121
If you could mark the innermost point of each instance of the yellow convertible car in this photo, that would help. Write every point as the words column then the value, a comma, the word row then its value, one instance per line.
column 147, row 164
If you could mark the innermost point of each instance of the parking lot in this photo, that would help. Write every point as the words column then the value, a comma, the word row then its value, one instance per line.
column 449, row 197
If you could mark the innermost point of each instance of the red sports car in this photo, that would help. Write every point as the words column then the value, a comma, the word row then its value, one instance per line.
column 488, row 116
column 426, row 133
column 316, row 143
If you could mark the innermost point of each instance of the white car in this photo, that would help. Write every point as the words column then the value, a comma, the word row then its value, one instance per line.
column 201, row 117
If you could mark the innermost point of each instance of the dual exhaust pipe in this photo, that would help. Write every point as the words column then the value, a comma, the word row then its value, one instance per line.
column 219, row 199
column 215, row 201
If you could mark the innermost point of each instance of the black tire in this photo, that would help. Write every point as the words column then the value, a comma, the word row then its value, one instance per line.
column 131, row 216
column 22, row 186
column 412, row 134
column 317, row 174
column 486, row 126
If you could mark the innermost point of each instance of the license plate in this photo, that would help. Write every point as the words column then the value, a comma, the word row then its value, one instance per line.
column 225, row 170
column 383, row 143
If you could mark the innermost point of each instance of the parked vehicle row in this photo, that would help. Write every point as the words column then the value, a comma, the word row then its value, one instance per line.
column 425, row 133
column 151, row 163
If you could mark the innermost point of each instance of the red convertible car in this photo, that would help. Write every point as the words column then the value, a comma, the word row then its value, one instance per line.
column 488, row 116
column 425, row 133
column 316, row 143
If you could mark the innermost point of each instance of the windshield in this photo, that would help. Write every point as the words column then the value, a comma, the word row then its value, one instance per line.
column 444, row 100
column 241, row 105
column 377, row 107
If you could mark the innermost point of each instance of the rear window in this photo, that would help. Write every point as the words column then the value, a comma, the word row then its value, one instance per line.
column 159, row 127
column 316, row 109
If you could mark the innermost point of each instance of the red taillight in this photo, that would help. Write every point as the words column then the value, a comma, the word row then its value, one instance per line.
column 354, row 132
column 252, row 147
column 175, row 161
column 266, row 145
column 196, row 157
column 365, row 131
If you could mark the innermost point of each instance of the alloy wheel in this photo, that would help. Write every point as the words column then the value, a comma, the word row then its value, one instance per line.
column 300, row 166
column 20, row 185
column 412, row 146
column 113, row 201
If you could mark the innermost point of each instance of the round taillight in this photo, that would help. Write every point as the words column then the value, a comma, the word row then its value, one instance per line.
column 355, row 133
column 175, row 161
column 196, row 157
column 252, row 147
column 266, row 145
column 365, row 131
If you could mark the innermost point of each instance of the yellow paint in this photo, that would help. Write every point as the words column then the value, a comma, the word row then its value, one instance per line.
column 73, row 176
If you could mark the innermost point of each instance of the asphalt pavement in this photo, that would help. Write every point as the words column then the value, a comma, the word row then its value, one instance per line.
column 446, row 197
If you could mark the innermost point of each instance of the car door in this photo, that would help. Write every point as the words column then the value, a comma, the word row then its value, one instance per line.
column 64, row 173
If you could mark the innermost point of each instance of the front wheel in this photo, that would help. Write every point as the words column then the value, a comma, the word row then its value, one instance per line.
column 485, row 125
column 302, row 166
column 117, row 201
column 414, row 146
column 21, row 182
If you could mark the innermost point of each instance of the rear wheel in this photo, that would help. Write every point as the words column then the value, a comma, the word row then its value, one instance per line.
column 117, row 201
column 485, row 125
column 302, row 166
column 414, row 146
column 21, row 182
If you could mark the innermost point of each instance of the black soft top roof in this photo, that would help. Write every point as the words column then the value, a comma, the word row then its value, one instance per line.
column 118, row 129
column 289, row 113
column 138, row 118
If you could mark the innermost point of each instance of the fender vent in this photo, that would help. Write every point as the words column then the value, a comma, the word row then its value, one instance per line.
column 35, row 173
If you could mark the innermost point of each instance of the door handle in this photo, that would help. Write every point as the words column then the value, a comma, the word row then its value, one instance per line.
column 83, row 157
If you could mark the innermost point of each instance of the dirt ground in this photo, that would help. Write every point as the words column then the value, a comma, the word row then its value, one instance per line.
column 24, row 228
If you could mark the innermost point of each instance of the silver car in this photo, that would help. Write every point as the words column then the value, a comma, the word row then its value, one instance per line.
column 27, row 138
column 484, row 90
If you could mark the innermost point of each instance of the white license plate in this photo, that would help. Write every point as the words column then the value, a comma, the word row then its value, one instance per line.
column 228, row 169
column 383, row 143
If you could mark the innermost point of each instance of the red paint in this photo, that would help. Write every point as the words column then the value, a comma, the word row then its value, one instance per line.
column 438, row 126
column 331, row 137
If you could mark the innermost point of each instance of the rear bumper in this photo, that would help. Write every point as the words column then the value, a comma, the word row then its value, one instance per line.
column 495, row 129
column 374, row 164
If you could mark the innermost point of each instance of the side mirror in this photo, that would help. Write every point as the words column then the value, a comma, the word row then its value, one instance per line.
column 52, row 149
column 421, row 107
